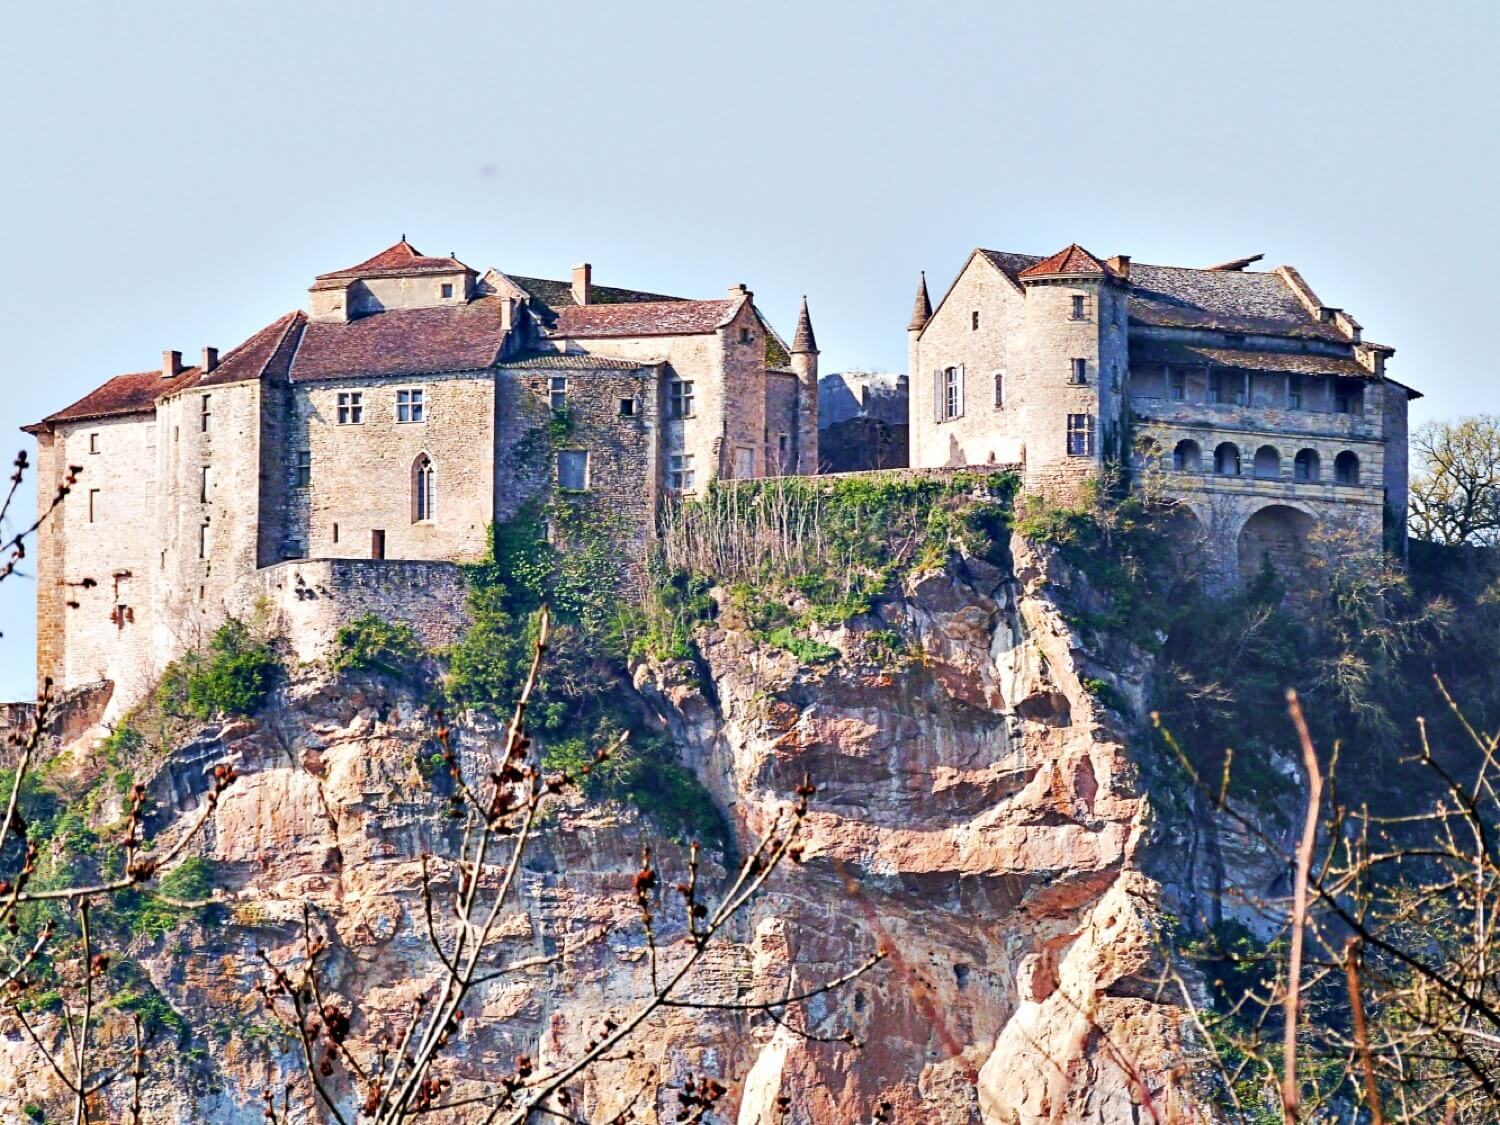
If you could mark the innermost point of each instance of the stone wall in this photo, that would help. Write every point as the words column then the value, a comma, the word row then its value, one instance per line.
column 362, row 475
column 782, row 428
column 308, row 600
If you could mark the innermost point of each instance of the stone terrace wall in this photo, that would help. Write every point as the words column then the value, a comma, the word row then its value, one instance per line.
column 309, row 599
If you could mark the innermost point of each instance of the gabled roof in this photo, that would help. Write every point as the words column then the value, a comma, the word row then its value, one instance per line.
column 1009, row 263
column 571, row 361
column 402, row 258
column 135, row 393
column 268, row 353
column 1223, row 300
column 644, row 318
column 559, row 294
column 1072, row 261
column 418, row 341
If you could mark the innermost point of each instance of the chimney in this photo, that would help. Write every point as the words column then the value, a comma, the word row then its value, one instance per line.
column 583, row 282
column 740, row 291
column 1120, row 263
column 171, row 364
column 210, row 360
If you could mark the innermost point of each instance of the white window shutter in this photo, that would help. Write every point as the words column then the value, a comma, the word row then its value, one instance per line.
column 960, row 413
column 937, row 395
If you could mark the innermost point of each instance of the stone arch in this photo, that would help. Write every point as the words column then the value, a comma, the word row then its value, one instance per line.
column 1307, row 465
column 1227, row 460
column 1267, row 463
column 1187, row 457
column 1346, row 468
column 423, row 489
column 1278, row 534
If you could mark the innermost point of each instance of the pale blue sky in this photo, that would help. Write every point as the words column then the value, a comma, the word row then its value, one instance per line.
column 175, row 174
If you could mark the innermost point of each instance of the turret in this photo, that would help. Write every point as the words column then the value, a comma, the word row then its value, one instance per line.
column 805, row 364
column 921, row 313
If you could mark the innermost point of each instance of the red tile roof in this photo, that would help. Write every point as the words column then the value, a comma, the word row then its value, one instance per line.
column 267, row 353
column 402, row 342
column 1072, row 260
column 644, row 318
column 135, row 393
column 402, row 258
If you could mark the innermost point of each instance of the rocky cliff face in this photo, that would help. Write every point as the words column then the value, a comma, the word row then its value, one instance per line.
column 978, row 816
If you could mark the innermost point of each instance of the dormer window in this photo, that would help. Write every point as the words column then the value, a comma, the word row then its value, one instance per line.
column 446, row 290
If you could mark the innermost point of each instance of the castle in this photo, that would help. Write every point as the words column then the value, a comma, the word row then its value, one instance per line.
column 341, row 460
column 362, row 446
column 1241, row 395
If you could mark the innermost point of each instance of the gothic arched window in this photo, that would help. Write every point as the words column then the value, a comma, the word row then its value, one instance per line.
column 423, row 489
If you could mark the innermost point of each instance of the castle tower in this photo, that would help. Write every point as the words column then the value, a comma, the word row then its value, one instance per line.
column 1075, row 361
column 805, row 364
column 921, row 313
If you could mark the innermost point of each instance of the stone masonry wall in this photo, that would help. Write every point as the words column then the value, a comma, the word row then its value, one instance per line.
column 308, row 600
column 985, row 432
column 782, row 434
column 362, row 475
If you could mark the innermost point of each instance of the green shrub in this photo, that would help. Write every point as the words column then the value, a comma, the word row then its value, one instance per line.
column 232, row 678
column 805, row 649
column 122, row 742
column 372, row 644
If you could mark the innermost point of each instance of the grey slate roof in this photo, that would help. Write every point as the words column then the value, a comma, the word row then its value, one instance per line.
column 1296, row 363
column 1226, row 300
column 557, row 361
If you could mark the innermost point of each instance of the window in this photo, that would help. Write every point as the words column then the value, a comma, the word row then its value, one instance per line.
column 682, row 472
column 682, row 398
column 974, row 321
column 744, row 462
column 627, row 408
column 94, row 509
column 205, row 543
column 557, row 393
column 1215, row 387
column 1080, row 371
column 1227, row 460
column 573, row 469
column 1080, row 435
column 746, row 336
column 410, row 406
column 446, row 289
column 1178, row 382
column 205, row 416
column 1294, row 392
column 377, row 542
column 783, row 449
column 1187, row 457
column 93, row 443
column 1306, row 465
column 351, row 408
column 1078, row 306
column 948, row 394
column 999, row 389
column 205, row 484
column 335, row 533
column 423, row 494
column 1346, row 468
column 304, row 468
column 1267, row 463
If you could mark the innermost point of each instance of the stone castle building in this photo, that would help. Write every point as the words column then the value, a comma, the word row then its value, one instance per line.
column 414, row 403
column 1260, row 408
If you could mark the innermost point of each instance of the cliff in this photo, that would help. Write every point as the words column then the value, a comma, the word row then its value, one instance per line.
column 979, row 816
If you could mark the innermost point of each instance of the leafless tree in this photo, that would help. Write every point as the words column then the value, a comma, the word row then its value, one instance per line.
column 1455, row 495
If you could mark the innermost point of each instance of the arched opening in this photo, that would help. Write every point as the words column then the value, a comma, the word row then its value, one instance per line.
column 1275, row 536
column 1227, row 460
column 423, row 489
column 1267, row 464
column 1346, row 468
column 1187, row 457
column 1307, row 465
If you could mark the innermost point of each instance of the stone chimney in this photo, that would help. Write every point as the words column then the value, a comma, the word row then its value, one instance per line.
column 171, row 364
column 1120, row 263
column 210, row 360
column 583, row 282
column 740, row 291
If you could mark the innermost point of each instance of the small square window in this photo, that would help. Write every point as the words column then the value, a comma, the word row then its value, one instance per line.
column 1080, row 372
column 557, row 393
column 93, row 443
column 682, row 472
column 573, row 469
column 304, row 468
column 627, row 408
column 446, row 290
column 351, row 408
column 746, row 336
column 1078, row 306
column 410, row 406
column 1080, row 435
